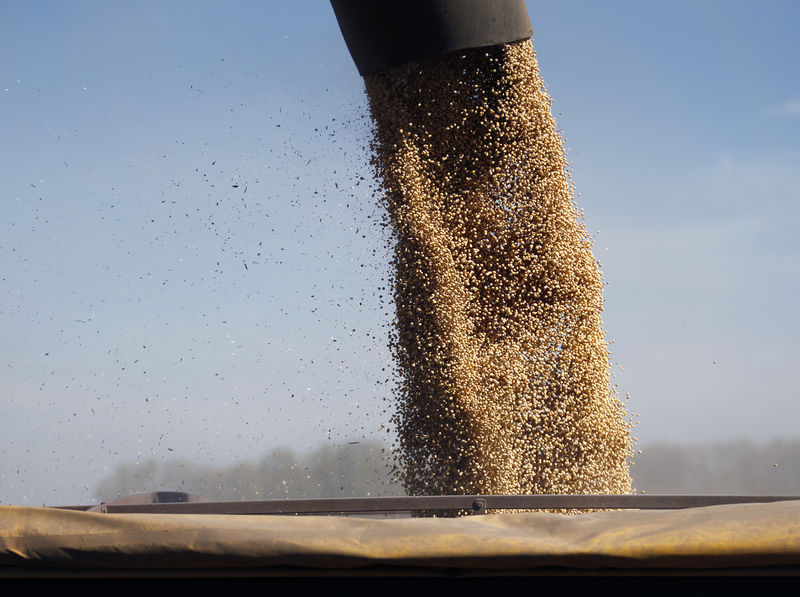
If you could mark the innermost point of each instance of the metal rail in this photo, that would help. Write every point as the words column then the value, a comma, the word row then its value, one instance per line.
column 476, row 504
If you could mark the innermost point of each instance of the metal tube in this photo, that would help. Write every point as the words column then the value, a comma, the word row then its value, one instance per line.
column 477, row 504
column 385, row 33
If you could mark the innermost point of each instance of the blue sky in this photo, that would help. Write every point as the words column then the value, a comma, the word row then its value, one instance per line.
column 193, row 265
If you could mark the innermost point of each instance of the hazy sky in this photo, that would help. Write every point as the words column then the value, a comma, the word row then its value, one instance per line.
column 192, row 264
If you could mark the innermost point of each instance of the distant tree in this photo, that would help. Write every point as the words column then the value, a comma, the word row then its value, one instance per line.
column 359, row 469
column 732, row 467
column 364, row 469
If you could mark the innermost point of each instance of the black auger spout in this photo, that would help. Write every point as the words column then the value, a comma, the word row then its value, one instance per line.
column 385, row 33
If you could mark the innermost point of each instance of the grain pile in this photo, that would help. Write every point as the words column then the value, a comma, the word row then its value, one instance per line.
column 499, row 340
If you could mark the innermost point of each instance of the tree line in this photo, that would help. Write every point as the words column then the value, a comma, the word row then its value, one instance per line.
column 367, row 469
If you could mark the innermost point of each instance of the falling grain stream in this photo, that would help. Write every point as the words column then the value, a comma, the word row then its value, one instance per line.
column 499, row 341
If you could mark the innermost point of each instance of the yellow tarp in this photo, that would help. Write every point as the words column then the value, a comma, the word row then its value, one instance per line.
column 752, row 536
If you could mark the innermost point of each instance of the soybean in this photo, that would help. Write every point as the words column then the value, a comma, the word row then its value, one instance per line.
column 499, row 339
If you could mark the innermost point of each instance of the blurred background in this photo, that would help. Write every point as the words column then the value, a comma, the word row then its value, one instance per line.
column 194, row 288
